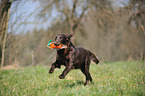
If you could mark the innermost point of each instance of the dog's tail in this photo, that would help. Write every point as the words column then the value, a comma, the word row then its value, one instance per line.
column 94, row 58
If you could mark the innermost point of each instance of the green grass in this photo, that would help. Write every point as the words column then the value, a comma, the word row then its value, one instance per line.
column 111, row 79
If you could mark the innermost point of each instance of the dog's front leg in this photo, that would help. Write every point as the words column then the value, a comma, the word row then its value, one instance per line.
column 51, row 70
column 64, row 73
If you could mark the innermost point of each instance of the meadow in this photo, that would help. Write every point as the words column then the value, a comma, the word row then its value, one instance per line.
column 111, row 79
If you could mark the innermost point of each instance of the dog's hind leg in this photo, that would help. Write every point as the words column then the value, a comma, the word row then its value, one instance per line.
column 88, row 76
column 85, row 70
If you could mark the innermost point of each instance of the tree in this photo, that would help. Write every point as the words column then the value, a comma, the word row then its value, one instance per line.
column 4, row 18
column 137, row 11
column 72, row 15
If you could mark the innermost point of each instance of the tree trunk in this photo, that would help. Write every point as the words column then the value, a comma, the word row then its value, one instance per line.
column 4, row 18
column 33, row 57
column 74, row 21
column 3, row 49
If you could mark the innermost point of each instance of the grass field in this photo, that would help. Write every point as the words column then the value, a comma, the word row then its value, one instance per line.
column 111, row 79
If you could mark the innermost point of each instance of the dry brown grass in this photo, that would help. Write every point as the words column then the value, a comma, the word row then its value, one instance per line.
column 8, row 67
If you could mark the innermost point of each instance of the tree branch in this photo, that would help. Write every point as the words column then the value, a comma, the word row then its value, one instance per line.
column 74, row 7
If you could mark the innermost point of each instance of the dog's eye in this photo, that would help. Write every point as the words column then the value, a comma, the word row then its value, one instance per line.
column 60, row 37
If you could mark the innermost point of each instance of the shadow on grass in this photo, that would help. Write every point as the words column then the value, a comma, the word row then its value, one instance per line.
column 74, row 84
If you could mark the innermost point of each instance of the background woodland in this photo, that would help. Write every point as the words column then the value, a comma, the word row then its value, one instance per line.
column 112, row 31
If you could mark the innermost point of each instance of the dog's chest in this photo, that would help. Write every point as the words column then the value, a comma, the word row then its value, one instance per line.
column 64, row 60
column 63, row 57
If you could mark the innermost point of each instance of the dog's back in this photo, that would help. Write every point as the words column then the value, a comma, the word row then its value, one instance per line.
column 81, row 56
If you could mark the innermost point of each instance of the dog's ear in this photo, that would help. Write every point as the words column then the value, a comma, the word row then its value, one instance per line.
column 68, row 36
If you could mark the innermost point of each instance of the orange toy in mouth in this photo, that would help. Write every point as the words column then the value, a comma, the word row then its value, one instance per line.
column 53, row 46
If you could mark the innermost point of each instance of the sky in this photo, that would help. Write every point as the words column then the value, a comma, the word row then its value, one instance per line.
column 24, row 15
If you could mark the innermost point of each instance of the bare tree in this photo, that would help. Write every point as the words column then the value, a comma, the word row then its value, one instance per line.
column 138, row 13
column 4, row 18
column 72, row 15
column 137, row 10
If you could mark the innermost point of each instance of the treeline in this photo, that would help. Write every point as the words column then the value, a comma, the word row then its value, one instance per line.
column 112, row 33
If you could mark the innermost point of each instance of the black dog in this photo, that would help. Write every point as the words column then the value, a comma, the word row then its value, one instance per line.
column 72, row 58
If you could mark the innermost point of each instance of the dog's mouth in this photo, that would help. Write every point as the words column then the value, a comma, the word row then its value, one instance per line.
column 56, row 45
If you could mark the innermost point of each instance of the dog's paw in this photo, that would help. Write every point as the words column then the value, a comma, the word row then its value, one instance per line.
column 61, row 77
column 50, row 72
column 92, row 83
column 86, row 83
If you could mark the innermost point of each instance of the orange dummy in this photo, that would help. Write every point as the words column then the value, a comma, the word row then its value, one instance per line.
column 53, row 46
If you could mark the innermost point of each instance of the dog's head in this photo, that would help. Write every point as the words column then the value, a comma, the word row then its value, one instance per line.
column 63, row 39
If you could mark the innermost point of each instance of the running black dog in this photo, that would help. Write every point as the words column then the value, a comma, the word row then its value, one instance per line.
column 72, row 58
